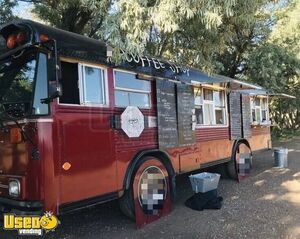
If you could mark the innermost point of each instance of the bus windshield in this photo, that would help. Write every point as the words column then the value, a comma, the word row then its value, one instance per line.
column 23, row 83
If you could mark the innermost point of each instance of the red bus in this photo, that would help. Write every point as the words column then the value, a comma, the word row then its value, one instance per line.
column 77, row 129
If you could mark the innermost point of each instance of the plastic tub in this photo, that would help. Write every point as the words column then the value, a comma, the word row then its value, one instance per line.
column 204, row 182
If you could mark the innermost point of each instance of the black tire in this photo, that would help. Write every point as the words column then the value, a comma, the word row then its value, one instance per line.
column 231, row 170
column 126, row 202
column 231, row 166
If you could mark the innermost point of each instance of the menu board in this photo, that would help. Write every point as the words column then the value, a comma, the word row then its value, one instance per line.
column 235, row 115
column 166, row 114
column 185, row 104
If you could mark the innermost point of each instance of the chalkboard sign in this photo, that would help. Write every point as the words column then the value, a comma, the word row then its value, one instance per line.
column 185, row 104
column 235, row 115
column 166, row 114
column 246, row 116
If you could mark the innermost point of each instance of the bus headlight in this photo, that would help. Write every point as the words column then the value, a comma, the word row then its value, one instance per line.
column 14, row 188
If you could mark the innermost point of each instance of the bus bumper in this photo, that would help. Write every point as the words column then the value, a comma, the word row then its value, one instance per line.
column 20, row 207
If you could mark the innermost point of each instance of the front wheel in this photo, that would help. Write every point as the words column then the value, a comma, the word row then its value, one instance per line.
column 149, row 192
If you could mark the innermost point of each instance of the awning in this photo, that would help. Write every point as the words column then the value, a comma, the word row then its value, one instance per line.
column 282, row 95
column 208, row 79
column 234, row 83
column 264, row 92
column 241, row 85
column 253, row 91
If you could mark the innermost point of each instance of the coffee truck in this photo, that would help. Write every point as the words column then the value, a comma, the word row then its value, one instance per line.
column 78, row 129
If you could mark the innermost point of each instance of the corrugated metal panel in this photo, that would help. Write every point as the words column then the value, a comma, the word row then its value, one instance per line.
column 235, row 115
column 246, row 116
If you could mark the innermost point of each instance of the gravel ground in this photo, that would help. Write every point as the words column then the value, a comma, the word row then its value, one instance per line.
column 265, row 205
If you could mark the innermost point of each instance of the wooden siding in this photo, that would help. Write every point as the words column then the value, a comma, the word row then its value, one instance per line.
column 213, row 133
column 260, row 130
column 147, row 140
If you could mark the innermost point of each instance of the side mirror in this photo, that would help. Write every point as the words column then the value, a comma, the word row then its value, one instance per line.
column 54, row 89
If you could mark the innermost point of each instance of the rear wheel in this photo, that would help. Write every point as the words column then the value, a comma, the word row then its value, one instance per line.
column 242, row 155
column 149, row 188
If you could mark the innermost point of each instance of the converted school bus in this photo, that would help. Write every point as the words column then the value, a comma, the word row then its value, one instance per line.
column 77, row 130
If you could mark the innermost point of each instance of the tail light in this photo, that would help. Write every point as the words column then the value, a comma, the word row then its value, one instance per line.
column 15, row 39
column 11, row 41
column 21, row 37
column 15, row 135
column 44, row 37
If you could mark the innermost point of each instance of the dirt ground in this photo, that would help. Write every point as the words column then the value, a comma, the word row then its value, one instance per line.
column 265, row 205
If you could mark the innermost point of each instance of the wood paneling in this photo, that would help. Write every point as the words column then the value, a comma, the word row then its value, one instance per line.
column 259, row 142
column 189, row 162
column 260, row 130
column 214, row 133
column 214, row 150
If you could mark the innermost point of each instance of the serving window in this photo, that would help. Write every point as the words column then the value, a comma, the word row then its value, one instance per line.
column 210, row 106
column 93, row 85
column 130, row 91
column 259, row 109
column 83, row 84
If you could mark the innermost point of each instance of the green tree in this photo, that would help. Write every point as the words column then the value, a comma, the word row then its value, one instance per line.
column 139, row 26
column 6, row 13
column 276, row 66
column 272, row 67
column 210, row 35
column 287, row 31
column 213, row 37
column 248, row 27
column 79, row 16
column 171, row 29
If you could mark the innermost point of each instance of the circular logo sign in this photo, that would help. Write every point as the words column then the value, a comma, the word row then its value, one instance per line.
column 132, row 121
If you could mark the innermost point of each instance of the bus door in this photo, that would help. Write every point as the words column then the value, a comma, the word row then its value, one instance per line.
column 87, row 159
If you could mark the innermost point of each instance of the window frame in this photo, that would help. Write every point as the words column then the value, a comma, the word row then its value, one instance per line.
column 255, row 107
column 35, row 82
column 82, row 88
column 212, row 102
column 131, row 90
column 209, row 102
column 222, row 108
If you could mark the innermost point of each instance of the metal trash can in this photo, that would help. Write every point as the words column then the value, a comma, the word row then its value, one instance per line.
column 204, row 182
column 281, row 157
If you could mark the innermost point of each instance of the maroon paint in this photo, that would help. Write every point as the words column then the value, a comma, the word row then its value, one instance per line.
column 82, row 136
